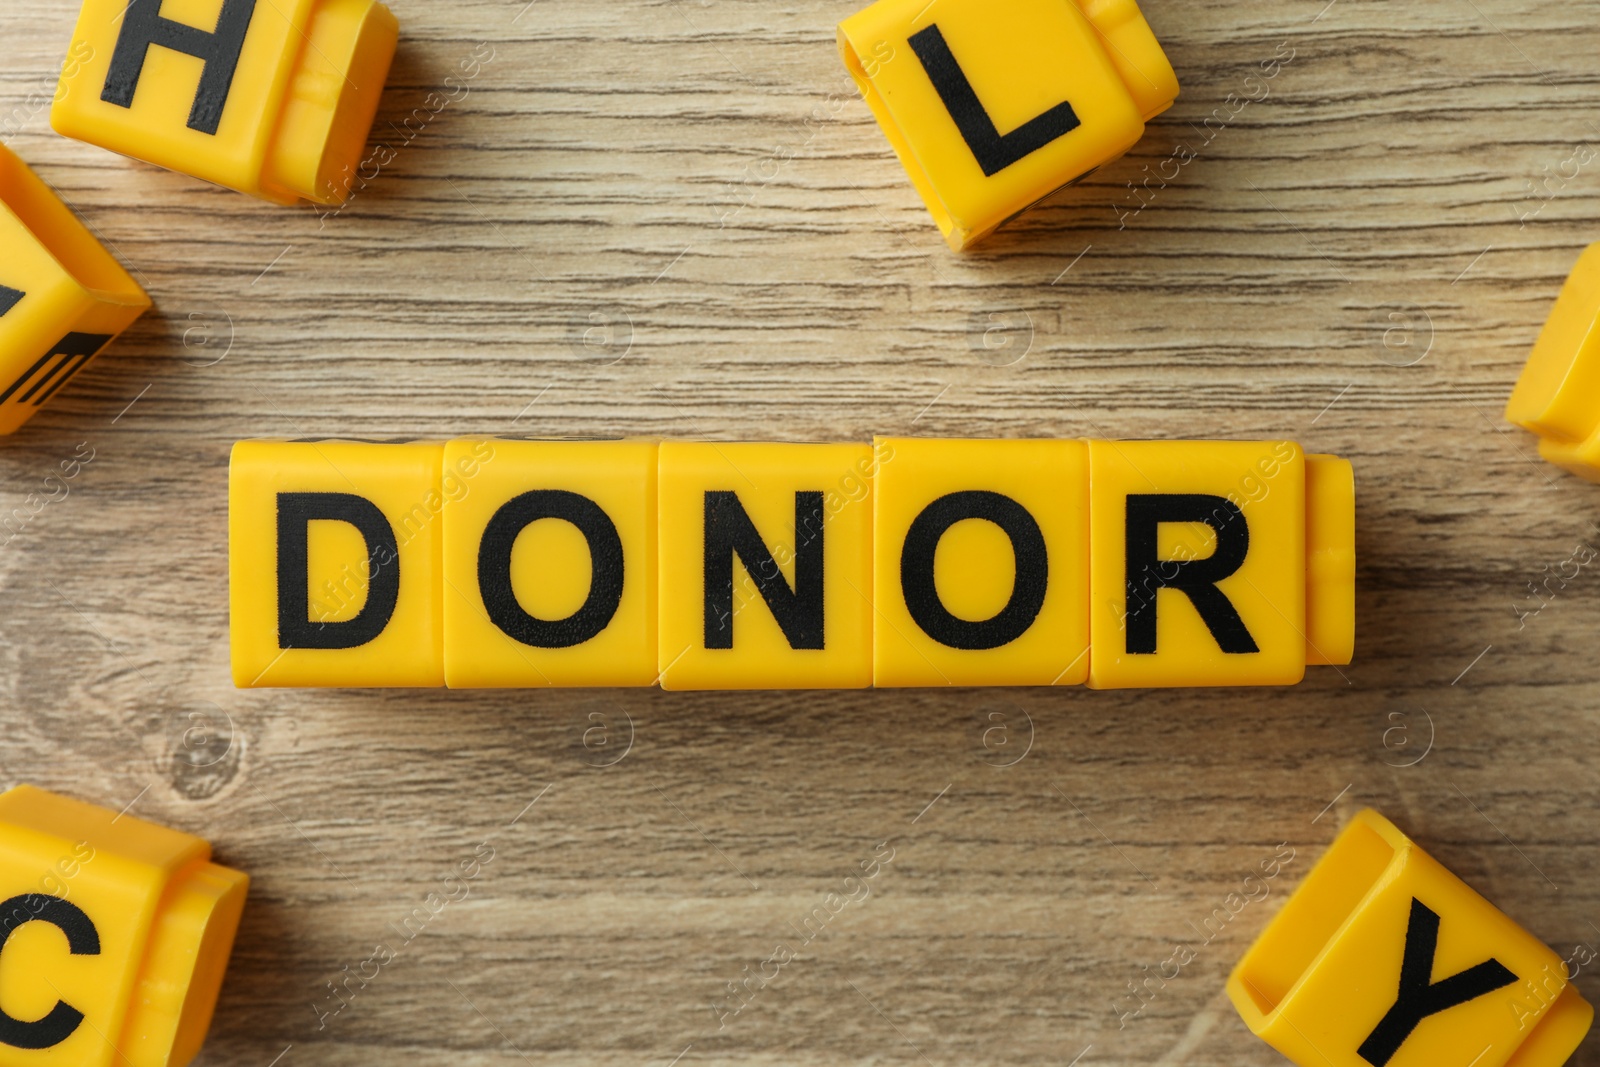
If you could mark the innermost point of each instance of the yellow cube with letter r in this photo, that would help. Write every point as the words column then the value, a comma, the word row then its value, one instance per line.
column 334, row 563
column 273, row 98
column 1208, row 568
column 993, row 104
column 114, row 936
column 1383, row 958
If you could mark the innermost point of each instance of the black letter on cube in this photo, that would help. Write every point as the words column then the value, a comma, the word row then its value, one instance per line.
column 1198, row 578
column 1417, row 998
column 143, row 26
column 9, row 298
column 1027, row 591
column 296, row 511
column 730, row 532
column 605, row 554
column 82, row 940
column 993, row 151
column 75, row 349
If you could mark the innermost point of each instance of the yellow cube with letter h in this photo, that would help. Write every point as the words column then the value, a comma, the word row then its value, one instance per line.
column 114, row 936
column 992, row 105
column 273, row 98
column 1383, row 958
column 63, row 297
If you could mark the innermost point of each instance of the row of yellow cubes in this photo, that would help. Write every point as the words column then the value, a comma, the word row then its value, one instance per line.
column 487, row 562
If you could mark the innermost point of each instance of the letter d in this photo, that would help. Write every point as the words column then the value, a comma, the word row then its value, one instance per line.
column 296, row 511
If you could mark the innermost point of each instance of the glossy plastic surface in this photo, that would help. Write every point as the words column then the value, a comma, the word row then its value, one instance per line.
column 992, row 107
column 273, row 98
column 1198, row 564
column 791, row 526
column 117, row 935
column 487, row 562
column 1558, row 395
column 981, row 551
column 335, row 563
column 549, row 563
column 1383, row 958
column 63, row 298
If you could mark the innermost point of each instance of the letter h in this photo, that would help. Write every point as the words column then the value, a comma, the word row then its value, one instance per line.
column 143, row 26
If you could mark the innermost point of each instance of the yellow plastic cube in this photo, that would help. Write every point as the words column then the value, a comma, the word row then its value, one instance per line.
column 1382, row 958
column 766, row 566
column 273, row 98
column 116, row 934
column 63, row 298
column 549, row 563
column 981, row 563
column 1558, row 395
column 992, row 106
column 335, row 563
column 1199, row 564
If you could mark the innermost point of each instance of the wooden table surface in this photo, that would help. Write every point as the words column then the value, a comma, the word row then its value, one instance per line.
column 678, row 218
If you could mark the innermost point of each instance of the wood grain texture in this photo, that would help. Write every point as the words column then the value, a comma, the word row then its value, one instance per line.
column 677, row 218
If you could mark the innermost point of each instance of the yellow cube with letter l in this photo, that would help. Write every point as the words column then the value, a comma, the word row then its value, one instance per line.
column 114, row 936
column 1383, row 958
column 63, row 297
column 273, row 98
column 992, row 105
column 335, row 562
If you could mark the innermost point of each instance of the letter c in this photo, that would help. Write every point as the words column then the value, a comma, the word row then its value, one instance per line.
column 83, row 939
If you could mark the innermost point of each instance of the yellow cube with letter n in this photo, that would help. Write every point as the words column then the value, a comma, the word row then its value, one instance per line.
column 114, row 936
column 1383, row 958
column 273, row 98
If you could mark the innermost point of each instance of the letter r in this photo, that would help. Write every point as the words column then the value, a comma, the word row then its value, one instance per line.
column 1147, row 574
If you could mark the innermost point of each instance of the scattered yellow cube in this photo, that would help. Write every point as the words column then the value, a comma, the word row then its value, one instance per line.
column 1382, row 958
column 116, row 934
column 63, row 297
column 549, row 563
column 992, row 105
column 273, row 98
column 335, row 563
column 981, row 548
column 1558, row 395
column 766, row 566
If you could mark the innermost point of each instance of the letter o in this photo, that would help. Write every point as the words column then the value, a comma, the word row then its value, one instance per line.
column 1027, row 591
column 494, row 568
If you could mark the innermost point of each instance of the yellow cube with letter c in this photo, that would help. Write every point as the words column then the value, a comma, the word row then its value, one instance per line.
column 114, row 936
column 273, row 98
column 1383, row 958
